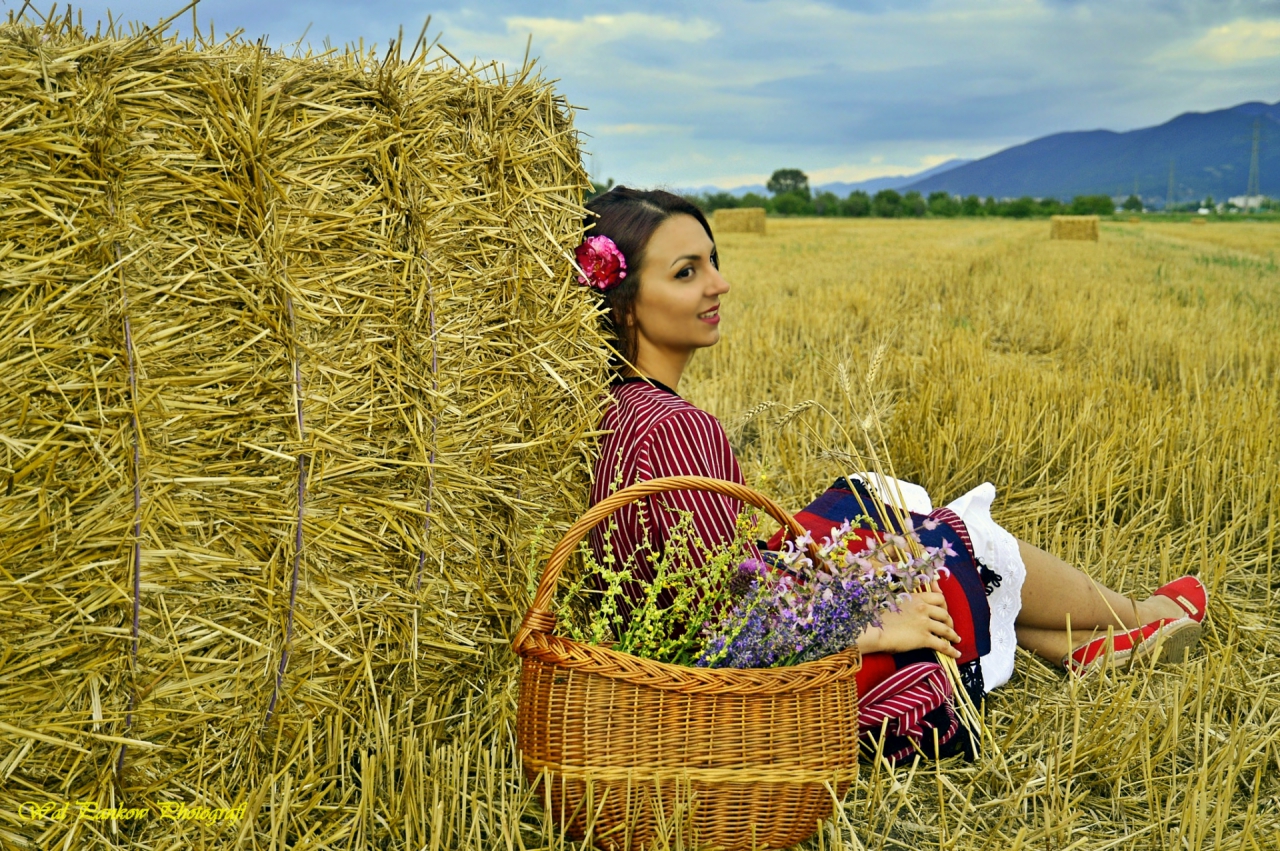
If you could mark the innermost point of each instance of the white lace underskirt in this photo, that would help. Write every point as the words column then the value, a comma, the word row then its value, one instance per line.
column 993, row 546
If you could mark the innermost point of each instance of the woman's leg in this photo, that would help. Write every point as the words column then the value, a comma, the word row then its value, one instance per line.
column 1055, row 591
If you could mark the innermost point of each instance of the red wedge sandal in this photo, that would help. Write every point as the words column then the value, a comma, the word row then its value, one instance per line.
column 1167, row 638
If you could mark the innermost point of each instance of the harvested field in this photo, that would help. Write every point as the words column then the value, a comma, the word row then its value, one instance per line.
column 1123, row 396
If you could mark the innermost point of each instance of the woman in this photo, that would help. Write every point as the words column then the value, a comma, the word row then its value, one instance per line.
column 653, row 258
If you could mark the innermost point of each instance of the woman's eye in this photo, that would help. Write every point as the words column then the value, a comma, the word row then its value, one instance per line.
column 686, row 272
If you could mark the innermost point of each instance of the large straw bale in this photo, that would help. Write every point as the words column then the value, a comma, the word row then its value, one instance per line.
column 740, row 220
column 1073, row 227
column 294, row 371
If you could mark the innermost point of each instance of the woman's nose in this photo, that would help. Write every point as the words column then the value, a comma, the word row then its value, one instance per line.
column 719, row 284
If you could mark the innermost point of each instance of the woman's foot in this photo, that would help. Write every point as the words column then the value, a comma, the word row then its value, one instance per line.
column 1190, row 595
column 1164, row 639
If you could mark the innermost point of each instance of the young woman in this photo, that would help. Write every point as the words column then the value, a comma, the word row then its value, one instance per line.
column 653, row 258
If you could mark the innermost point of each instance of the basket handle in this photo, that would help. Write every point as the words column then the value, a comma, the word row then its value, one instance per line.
column 540, row 618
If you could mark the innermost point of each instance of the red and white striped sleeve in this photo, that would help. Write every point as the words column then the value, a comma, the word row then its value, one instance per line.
column 691, row 442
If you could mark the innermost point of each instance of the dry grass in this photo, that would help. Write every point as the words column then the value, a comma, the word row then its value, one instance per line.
column 1124, row 398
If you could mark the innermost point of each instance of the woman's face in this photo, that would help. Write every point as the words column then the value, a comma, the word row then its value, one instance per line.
column 677, row 307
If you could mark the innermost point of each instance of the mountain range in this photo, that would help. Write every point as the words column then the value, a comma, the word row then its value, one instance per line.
column 1209, row 154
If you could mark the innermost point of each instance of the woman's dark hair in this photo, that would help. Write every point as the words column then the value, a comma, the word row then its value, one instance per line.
column 629, row 217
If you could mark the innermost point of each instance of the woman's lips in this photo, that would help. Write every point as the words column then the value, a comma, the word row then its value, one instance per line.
column 712, row 316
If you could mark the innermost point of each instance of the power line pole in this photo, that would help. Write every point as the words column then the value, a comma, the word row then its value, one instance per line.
column 1168, row 205
column 1253, row 188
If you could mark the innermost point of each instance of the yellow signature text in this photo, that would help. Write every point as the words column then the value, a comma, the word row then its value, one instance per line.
column 93, row 811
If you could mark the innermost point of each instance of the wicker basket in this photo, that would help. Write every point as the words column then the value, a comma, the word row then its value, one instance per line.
column 638, row 753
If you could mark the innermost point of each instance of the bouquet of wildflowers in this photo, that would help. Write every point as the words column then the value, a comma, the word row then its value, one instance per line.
column 731, row 612
column 808, row 610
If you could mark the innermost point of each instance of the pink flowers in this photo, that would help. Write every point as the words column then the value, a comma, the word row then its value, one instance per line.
column 601, row 261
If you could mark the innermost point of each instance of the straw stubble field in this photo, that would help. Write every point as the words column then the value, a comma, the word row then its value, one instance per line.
column 1123, row 397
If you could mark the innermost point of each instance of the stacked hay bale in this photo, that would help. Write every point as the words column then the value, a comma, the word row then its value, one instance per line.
column 740, row 220
column 295, row 373
column 1073, row 227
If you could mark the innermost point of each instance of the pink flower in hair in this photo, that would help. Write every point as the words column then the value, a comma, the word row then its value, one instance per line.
column 602, row 262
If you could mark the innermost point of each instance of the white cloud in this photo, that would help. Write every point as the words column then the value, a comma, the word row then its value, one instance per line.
column 632, row 129
column 1240, row 41
column 592, row 30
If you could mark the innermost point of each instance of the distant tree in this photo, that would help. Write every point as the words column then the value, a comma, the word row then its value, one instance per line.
column 1208, row 202
column 1020, row 208
column 599, row 188
column 991, row 207
column 857, row 205
column 717, row 201
column 1050, row 206
column 787, row 180
column 793, row 203
column 755, row 199
column 913, row 204
column 1133, row 204
column 826, row 204
column 942, row 204
column 971, row 206
column 1095, row 205
column 887, row 204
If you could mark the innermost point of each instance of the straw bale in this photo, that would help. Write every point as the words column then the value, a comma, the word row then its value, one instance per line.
column 1199, row 220
column 1073, row 227
column 740, row 220
column 294, row 373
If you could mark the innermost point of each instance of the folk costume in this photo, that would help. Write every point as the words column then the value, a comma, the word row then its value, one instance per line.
column 652, row 432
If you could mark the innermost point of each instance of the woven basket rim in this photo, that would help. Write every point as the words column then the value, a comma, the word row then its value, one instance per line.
column 572, row 655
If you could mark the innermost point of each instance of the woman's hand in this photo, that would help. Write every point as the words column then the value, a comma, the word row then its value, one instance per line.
column 921, row 621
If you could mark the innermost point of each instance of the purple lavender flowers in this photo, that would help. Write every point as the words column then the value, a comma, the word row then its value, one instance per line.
column 812, row 610
column 720, row 611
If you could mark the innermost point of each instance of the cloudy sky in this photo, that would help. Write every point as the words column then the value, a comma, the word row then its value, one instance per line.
column 723, row 92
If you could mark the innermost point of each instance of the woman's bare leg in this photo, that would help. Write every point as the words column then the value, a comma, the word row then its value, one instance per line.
column 1051, row 644
column 1054, row 589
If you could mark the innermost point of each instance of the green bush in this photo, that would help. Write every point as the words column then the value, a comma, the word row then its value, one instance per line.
column 887, row 204
column 857, row 205
column 1092, row 205
column 942, row 204
column 826, row 204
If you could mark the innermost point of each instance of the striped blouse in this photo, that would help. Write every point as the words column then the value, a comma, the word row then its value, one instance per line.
column 655, row 433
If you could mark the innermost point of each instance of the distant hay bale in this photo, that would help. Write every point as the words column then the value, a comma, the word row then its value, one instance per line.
column 295, row 372
column 1199, row 220
column 1135, row 220
column 1073, row 227
column 739, row 220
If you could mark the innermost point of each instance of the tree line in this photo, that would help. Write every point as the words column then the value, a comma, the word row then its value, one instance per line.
column 790, row 195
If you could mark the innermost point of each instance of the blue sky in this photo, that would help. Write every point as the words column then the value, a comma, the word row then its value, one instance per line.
column 723, row 92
